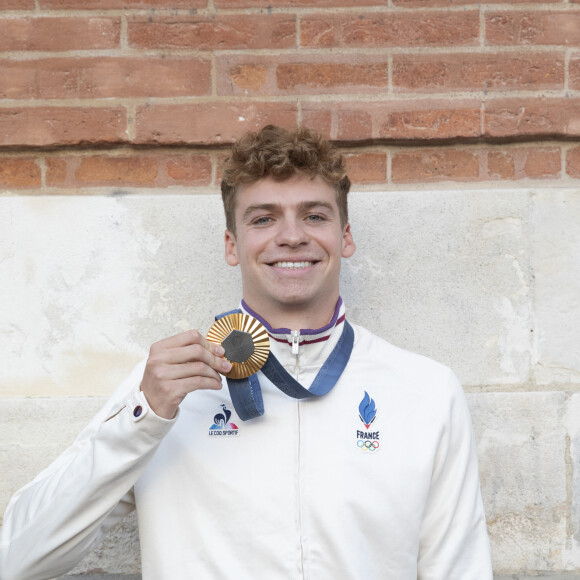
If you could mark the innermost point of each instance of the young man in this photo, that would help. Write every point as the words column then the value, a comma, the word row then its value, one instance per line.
column 375, row 476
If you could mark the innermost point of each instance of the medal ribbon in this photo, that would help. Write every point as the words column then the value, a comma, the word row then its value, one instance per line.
column 246, row 393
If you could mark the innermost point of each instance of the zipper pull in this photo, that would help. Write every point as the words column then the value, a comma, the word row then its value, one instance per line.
column 295, row 335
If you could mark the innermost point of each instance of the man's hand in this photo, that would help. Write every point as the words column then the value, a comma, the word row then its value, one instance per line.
column 179, row 365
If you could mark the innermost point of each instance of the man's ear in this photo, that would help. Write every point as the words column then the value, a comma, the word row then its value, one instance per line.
column 348, row 245
column 231, row 248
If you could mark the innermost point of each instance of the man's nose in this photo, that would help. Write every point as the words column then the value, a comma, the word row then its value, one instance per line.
column 291, row 233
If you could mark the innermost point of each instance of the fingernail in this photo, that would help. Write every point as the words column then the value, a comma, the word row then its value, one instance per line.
column 219, row 350
column 227, row 365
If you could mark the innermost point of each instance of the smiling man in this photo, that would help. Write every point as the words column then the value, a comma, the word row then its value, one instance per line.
column 288, row 238
column 344, row 457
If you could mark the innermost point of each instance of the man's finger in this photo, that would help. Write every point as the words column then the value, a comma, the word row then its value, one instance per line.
column 196, row 369
column 190, row 384
column 196, row 353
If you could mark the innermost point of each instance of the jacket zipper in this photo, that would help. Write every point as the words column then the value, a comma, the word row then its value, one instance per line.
column 300, row 506
column 295, row 337
column 295, row 341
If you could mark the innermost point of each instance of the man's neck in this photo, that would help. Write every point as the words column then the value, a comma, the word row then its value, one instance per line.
column 294, row 319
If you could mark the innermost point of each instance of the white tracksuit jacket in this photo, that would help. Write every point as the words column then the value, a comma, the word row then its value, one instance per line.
column 295, row 494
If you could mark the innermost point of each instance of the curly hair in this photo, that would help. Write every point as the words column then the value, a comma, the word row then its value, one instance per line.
column 280, row 154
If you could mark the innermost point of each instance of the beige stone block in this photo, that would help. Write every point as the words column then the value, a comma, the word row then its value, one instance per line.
column 118, row 553
column 521, row 442
column 447, row 274
column 572, row 548
column 557, row 270
column 89, row 283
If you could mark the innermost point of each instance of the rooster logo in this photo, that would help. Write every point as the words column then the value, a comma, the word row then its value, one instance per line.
column 222, row 420
column 367, row 410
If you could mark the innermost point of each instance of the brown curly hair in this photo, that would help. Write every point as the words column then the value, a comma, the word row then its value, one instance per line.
column 280, row 153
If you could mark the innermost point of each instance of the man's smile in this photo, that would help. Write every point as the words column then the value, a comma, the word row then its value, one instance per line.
column 292, row 265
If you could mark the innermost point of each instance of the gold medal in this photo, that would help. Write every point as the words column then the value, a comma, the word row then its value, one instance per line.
column 245, row 341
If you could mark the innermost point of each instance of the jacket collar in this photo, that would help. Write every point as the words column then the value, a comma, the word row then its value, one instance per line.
column 314, row 345
column 307, row 335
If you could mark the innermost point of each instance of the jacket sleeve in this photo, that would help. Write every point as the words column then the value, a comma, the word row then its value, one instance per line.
column 55, row 520
column 454, row 544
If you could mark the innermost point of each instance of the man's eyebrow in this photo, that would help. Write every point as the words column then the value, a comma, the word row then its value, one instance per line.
column 306, row 205
column 259, row 207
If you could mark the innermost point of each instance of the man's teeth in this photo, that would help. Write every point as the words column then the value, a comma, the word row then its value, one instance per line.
column 292, row 264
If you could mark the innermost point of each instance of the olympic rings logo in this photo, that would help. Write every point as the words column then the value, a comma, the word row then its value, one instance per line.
column 368, row 445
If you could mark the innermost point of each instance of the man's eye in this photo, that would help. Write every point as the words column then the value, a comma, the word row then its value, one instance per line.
column 315, row 218
column 262, row 220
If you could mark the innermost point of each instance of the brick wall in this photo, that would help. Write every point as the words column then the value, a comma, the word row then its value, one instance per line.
column 143, row 94
column 461, row 124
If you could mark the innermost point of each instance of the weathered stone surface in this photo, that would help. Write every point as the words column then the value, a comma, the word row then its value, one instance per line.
column 74, row 576
column 572, row 547
column 118, row 553
column 446, row 274
column 88, row 283
column 565, row 576
column 103, row 278
column 521, row 443
column 557, row 270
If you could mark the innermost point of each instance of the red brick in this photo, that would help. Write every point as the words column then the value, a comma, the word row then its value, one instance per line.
column 243, row 78
column 524, row 163
column 59, row 33
column 52, row 126
column 573, row 162
column 560, row 28
column 354, row 124
column 311, row 74
column 320, row 120
column 543, row 163
column 211, row 123
column 120, row 4
column 369, row 167
column 501, row 165
column 294, row 3
column 19, row 172
column 188, row 170
column 542, row 117
column 214, row 33
column 445, row 72
column 71, row 78
column 431, row 165
column 17, row 5
column 56, row 171
column 305, row 77
column 136, row 170
column 108, row 170
column 398, row 29
column 437, row 3
column 401, row 120
column 221, row 158
column 574, row 72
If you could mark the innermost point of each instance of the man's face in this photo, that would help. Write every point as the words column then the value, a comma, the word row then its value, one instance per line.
column 288, row 243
